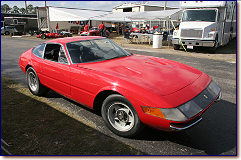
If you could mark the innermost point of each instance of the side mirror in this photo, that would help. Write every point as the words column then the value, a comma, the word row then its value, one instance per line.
column 132, row 53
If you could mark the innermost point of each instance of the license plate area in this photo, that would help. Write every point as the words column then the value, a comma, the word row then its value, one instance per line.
column 189, row 47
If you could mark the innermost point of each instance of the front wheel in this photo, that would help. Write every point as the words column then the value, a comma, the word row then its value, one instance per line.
column 214, row 48
column 34, row 84
column 176, row 47
column 120, row 116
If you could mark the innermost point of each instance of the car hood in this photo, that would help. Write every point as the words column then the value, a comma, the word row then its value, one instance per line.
column 161, row 76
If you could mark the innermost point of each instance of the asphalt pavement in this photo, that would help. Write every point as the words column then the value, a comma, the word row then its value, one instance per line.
column 215, row 135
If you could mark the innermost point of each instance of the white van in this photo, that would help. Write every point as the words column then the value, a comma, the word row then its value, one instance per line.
column 206, row 24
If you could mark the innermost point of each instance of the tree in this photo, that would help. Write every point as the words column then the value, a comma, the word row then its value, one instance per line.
column 5, row 8
column 15, row 9
column 30, row 8
column 22, row 10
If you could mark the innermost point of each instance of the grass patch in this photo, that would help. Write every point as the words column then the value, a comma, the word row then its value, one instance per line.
column 32, row 126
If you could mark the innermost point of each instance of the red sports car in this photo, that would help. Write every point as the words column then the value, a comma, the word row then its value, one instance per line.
column 129, row 90
column 93, row 32
column 49, row 35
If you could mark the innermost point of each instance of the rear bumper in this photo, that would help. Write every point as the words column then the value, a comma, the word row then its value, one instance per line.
column 201, row 43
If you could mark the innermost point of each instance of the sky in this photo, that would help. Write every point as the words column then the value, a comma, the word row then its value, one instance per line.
column 99, row 5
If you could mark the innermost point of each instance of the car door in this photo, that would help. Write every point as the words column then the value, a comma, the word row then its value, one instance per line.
column 56, row 69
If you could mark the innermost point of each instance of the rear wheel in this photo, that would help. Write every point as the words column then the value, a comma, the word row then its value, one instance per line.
column 7, row 33
column 34, row 84
column 43, row 36
column 176, row 47
column 120, row 116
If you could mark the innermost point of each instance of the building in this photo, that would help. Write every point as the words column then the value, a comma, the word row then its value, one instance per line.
column 22, row 22
column 69, row 19
column 137, row 7
column 145, row 7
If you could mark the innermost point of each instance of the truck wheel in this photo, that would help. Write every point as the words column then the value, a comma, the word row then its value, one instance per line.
column 120, row 116
column 214, row 48
column 7, row 33
column 176, row 47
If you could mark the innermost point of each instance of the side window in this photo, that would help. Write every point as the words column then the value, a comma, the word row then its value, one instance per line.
column 55, row 52
column 62, row 56
column 38, row 51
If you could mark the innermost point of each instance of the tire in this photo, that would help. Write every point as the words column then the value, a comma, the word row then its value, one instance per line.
column 7, row 33
column 176, row 47
column 214, row 48
column 120, row 116
column 43, row 36
column 34, row 85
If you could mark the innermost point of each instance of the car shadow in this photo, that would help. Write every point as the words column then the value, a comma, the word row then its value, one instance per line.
column 216, row 134
column 54, row 95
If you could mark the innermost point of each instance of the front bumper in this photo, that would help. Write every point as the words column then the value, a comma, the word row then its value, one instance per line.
column 204, row 99
column 182, row 126
column 201, row 43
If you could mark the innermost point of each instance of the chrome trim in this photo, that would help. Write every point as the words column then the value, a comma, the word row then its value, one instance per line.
column 183, row 128
column 202, row 43
column 219, row 97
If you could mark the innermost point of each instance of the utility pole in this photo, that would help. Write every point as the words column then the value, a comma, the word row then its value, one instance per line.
column 26, row 7
column 45, row 3
column 165, row 6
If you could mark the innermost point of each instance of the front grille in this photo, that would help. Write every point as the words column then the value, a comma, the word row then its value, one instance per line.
column 192, row 33
column 201, row 101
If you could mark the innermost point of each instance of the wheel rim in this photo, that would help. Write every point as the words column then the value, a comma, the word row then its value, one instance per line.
column 32, row 81
column 120, row 116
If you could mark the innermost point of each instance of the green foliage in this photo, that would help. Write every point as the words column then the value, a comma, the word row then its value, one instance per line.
column 5, row 8
column 15, row 9
column 30, row 9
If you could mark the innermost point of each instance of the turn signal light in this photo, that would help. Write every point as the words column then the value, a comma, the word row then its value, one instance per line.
column 153, row 111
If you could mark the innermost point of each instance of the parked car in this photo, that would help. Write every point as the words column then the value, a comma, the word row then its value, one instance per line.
column 66, row 34
column 129, row 90
column 94, row 31
column 7, row 30
column 47, row 34
column 35, row 32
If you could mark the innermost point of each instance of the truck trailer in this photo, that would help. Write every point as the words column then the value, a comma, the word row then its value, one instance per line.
column 206, row 24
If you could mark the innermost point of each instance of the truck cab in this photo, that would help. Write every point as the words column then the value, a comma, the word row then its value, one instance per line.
column 205, row 24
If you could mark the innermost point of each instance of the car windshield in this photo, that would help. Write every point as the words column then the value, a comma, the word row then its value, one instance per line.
column 208, row 15
column 94, row 50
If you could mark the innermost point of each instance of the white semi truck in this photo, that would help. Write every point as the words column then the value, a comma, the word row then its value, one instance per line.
column 206, row 24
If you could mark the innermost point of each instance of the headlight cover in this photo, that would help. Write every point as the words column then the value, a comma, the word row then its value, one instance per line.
column 211, row 34
column 175, row 33
column 194, row 106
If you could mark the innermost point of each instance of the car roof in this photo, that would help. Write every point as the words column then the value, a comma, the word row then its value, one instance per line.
column 73, row 39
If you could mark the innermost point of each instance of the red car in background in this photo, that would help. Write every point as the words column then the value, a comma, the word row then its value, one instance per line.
column 129, row 90
column 47, row 34
column 135, row 29
column 94, row 31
